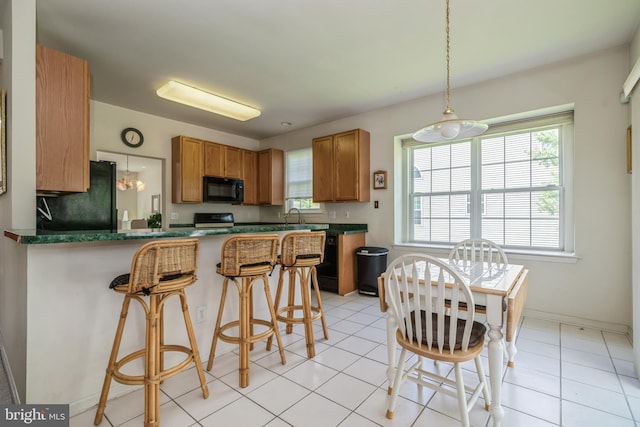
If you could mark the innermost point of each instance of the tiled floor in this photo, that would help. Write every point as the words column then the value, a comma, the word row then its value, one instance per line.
column 564, row 376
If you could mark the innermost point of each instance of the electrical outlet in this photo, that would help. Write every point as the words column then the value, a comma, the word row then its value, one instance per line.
column 174, row 215
column 332, row 214
column 201, row 313
column 347, row 214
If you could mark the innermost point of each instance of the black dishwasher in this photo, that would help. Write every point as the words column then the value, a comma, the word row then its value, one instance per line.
column 328, row 270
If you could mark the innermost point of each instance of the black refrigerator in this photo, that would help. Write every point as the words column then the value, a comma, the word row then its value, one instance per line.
column 93, row 210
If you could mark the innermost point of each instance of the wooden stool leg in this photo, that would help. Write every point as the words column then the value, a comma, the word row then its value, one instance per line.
column 112, row 360
column 274, row 320
column 250, row 316
column 216, row 331
column 291, row 300
column 152, row 366
column 161, row 332
column 244, row 331
column 307, row 315
column 314, row 281
column 194, row 344
column 277, row 301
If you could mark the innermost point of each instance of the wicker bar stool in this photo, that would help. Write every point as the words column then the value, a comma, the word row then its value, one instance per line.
column 300, row 253
column 248, row 257
column 159, row 270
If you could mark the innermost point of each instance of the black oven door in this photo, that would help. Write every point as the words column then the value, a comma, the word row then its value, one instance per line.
column 328, row 270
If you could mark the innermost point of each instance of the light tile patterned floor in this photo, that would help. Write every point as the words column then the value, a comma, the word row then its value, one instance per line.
column 564, row 376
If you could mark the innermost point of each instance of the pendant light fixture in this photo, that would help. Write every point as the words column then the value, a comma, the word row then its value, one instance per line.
column 449, row 127
column 125, row 183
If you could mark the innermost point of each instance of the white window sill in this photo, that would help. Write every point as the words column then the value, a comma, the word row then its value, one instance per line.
column 513, row 254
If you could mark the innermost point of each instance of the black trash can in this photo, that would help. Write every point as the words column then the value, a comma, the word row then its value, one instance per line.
column 372, row 262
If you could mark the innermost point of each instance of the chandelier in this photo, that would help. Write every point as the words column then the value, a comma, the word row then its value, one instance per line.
column 449, row 127
column 126, row 182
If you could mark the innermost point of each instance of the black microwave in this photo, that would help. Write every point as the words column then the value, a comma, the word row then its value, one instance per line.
column 223, row 190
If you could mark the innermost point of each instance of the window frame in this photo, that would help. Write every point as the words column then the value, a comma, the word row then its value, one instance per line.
column 562, row 117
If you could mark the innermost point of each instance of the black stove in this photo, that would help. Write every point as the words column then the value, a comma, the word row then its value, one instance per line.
column 213, row 220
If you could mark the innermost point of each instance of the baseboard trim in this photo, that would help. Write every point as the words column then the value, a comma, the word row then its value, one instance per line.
column 578, row 321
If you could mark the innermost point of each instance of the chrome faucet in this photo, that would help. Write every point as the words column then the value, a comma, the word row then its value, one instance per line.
column 288, row 215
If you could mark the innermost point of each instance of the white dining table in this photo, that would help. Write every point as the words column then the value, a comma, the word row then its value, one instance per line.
column 490, row 284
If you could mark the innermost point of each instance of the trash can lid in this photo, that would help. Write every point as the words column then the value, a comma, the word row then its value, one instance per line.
column 372, row 250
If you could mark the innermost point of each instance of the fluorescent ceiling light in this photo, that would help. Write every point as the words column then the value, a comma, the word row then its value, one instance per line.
column 178, row 92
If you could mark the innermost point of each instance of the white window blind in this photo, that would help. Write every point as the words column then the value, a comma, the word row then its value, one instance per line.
column 299, row 169
column 299, row 178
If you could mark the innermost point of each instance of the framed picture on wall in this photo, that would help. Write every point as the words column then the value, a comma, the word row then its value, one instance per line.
column 379, row 180
column 155, row 203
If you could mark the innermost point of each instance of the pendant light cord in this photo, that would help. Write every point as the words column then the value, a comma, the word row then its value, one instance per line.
column 448, row 59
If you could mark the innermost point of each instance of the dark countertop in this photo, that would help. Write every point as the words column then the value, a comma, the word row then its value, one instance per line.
column 47, row 236
column 333, row 230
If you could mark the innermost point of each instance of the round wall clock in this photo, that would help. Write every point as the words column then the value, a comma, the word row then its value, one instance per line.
column 132, row 137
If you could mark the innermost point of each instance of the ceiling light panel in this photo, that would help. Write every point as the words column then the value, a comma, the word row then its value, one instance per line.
column 194, row 97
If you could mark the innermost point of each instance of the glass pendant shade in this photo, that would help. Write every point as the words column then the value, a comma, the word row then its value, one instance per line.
column 450, row 127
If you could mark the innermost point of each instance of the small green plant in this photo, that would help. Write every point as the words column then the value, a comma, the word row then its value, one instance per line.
column 155, row 220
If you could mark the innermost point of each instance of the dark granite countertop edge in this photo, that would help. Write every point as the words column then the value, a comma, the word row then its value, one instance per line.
column 334, row 228
column 48, row 237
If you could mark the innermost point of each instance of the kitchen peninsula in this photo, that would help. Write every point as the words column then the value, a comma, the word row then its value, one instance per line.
column 71, row 315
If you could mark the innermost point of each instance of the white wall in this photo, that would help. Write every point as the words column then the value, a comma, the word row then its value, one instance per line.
column 17, row 20
column 598, row 286
column 634, row 120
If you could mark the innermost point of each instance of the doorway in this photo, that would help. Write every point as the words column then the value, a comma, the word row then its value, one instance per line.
column 139, row 185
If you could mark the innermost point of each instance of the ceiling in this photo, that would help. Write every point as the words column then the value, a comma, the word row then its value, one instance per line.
column 307, row 62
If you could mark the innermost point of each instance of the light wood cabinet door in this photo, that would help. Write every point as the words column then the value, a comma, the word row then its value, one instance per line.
column 323, row 174
column 213, row 159
column 222, row 160
column 187, row 168
column 233, row 165
column 351, row 157
column 341, row 167
column 271, row 177
column 250, row 176
column 62, row 122
column 348, row 245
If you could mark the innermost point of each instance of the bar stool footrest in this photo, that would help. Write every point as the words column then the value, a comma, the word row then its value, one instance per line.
column 163, row 375
column 252, row 338
column 297, row 320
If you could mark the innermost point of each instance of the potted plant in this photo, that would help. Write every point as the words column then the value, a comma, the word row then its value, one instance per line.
column 155, row 220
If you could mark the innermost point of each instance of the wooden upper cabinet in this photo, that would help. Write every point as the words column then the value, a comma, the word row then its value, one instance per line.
column 192, row 159
column 187, row 167
column 341, row 171
column 222, row 160
column 271, row 177
column 250, row 176
column 233, row 166
column 323, row 173
column 213, row 159
column 62, row 122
